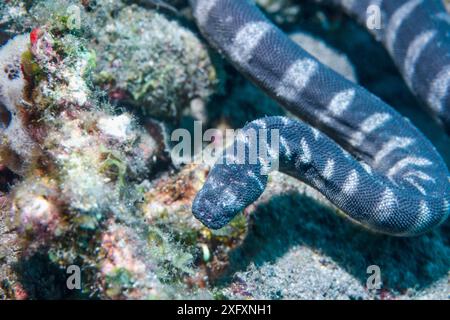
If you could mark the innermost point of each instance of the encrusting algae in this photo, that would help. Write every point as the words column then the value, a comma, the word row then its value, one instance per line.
column 84, row 194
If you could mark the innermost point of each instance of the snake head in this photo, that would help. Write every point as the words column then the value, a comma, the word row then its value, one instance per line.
column 222, row 196
column 208, row 208
column 218, row 201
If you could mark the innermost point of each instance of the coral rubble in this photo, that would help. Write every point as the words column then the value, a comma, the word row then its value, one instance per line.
column 152, row 63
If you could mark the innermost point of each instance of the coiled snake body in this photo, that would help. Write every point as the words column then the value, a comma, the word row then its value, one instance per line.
column 355, row 149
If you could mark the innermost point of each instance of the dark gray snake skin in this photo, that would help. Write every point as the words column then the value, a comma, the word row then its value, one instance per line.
column 417, row 36
column 364, row 157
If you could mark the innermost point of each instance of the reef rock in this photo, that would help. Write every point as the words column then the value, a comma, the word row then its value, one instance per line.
column 15, row 139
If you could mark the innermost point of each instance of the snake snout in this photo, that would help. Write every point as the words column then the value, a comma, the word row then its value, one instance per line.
column 206, row 208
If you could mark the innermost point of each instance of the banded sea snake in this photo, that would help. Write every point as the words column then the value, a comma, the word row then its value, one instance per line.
column 367, row 159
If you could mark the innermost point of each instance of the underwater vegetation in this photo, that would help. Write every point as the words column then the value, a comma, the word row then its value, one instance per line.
column 83, row 165
column 86, row 109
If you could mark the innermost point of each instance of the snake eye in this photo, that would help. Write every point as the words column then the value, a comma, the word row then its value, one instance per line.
column 5, row 116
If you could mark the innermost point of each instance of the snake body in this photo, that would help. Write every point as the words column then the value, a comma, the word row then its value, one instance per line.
column 355, row 149
column 416, row 34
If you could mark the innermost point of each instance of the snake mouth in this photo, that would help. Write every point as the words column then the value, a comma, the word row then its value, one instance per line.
column 208, row 221
column 206, row 217
column 209, row 213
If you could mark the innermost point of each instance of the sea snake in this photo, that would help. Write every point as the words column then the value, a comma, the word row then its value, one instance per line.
column 356, row 150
